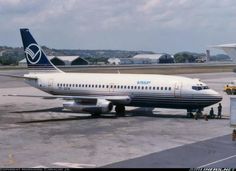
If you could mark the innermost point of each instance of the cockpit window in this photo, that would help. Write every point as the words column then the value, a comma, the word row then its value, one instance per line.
column 198, row 88
column 205, row 87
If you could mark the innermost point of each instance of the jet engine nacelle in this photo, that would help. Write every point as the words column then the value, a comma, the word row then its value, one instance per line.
column 99, row 106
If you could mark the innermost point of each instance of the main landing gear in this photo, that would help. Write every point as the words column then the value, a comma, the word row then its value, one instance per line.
column 198, row 113
column 96, row 114
column 190, row 113
column 120, row 110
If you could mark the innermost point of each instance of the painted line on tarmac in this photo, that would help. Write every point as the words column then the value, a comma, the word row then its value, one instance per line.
column 218, row 161
column 74, row 165
column 40, row 166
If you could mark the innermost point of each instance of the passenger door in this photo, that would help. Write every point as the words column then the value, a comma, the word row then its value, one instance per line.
column 50, row 84
column 177, row 89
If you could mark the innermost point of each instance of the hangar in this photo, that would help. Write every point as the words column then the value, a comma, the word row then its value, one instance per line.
column 154, row 58
column 120, row 61
column 143, row 59
column 62, row 61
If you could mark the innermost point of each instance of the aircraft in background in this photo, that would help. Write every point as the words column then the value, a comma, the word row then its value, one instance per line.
column 98, row 93
column 230, row 49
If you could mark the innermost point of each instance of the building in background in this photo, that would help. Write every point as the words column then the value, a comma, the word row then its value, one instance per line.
column 143, row 59
column 153, row 58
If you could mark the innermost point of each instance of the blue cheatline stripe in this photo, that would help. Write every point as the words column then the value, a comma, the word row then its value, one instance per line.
column 173, row 102
column 182, row 99
column 150, row 97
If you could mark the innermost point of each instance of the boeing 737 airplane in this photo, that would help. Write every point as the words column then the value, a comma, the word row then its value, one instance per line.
column 97, row 93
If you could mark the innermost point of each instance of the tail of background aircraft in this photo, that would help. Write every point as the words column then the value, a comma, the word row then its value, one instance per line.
column 230, row 49
column 37, row 60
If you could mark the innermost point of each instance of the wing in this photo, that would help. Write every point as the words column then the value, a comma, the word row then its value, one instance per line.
column 114, row 99
column 17, row 76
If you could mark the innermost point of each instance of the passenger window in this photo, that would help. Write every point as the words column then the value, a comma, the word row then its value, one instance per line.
column 96, row 86
column 118, row 86
column 146, row 87
column 142, row 87
column 114, row 86
column 128, row 87
column 135, row 87
column 161, row 88
column 131, row 87
column 124, row 87
column 92, row 85
column 103, row 86
column 121, row 87
column 169, row 88
column 138, row 87
column 165, row 88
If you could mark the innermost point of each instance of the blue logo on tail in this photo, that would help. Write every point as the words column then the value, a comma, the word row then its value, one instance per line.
column 36, row 58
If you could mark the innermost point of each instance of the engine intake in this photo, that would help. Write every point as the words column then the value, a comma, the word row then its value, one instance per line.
column 100, row 106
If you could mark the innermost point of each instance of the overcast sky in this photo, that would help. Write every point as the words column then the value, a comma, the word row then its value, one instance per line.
column 157, row 25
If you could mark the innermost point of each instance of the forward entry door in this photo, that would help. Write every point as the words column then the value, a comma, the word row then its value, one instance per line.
column 177, row 89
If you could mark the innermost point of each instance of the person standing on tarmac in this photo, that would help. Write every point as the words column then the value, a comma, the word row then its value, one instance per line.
column 212, row 115
column 219, row 111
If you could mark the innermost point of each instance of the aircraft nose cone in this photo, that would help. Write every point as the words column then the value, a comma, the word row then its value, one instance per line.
column 216, row 96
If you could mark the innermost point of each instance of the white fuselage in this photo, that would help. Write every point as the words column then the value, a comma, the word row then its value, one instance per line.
column 143, row 90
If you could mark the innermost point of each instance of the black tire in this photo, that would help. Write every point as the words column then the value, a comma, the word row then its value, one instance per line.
column 120, row 110
column 190, row 113
column 96, row 114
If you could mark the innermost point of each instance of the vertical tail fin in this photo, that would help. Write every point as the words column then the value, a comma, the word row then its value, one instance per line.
column 37, row 60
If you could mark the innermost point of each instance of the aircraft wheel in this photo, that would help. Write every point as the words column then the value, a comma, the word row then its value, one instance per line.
column 120, row 110
column 190, row 113
column 96, row 114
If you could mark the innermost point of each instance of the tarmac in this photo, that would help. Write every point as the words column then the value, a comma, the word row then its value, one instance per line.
column 38, row 133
